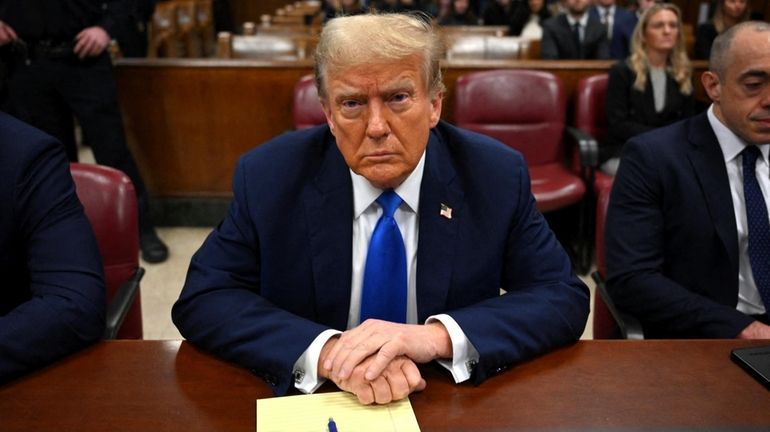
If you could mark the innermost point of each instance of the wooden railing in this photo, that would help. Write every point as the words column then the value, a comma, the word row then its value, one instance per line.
column 188, row 121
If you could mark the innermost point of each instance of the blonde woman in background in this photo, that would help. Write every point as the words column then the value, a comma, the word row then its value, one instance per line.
column 652, row 87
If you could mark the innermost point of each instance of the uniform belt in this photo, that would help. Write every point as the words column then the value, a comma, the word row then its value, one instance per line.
column 50, row 49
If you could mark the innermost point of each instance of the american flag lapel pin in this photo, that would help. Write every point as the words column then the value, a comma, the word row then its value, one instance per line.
column 445, row 211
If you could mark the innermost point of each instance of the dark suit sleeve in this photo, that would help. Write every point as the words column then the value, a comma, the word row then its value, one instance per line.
column 66, row 310
column 221, row 309
column 549, row 49
column 118, row 13
column 545, row 305
column 635, row 254
column 623, row 117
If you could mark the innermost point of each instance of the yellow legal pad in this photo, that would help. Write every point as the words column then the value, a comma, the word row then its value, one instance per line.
column 311, row 413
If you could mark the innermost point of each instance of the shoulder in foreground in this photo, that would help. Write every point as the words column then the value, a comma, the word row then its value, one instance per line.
column 291, row 144
column 675, row 135
column 20, row 141
column 473, row 146
column 16, row 136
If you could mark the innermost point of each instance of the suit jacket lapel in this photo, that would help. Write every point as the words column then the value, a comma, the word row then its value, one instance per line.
column 708, row 164
column 438, row 233
column 567, row 35
column 329, row 214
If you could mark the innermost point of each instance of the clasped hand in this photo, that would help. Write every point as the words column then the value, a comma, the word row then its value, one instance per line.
column 377, row 361
column 90, row 42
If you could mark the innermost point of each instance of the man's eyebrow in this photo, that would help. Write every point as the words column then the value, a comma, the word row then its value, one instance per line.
column 347, row 93
column 404, row 85
column 754, row 73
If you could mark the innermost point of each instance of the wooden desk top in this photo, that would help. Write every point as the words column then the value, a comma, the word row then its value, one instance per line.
column 608, row 385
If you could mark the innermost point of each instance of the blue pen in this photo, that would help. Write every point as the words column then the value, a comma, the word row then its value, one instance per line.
column 332, row 425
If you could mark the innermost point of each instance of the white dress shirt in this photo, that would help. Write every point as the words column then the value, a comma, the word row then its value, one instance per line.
column 366, row 213
column 749, row 299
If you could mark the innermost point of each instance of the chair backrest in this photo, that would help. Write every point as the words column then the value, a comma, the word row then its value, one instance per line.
column 590, row 106
column 109, row 201
column 306, row 107
column 525, row 109
column 604, row 324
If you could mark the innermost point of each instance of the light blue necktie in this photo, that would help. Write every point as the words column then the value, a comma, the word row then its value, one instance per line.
column 384, row 291
column 759, row 225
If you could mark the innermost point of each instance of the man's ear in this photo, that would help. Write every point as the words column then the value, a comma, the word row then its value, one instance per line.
column 328, row 114
column 435, row 109
column 711, row 84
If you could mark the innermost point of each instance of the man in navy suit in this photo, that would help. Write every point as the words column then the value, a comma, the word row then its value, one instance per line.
column 677, row 237
column 619, row 24
column 279, row 286
column 574, row 35
column 52, row 296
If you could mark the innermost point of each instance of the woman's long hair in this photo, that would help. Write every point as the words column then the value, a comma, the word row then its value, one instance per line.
column 678, row 63
column 719, row 16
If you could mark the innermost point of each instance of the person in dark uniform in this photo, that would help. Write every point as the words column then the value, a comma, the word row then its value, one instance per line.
column 131, row 31
column 58, row 66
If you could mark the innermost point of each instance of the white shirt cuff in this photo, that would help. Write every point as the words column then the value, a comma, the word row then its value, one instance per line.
column 306, row 368
column 464, row 354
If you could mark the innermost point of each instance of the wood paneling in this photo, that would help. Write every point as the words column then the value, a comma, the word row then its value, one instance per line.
column 250, row 10
column 188, row 121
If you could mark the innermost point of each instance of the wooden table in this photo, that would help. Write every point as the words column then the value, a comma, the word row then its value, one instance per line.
column 607, row 385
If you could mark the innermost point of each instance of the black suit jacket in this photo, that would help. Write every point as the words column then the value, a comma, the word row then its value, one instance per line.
column 631, row 112
column 671, row 237
column 51, row 280
column 559, row 44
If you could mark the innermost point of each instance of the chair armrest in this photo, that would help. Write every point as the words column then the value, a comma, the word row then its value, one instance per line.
column 121, row 303
column 630, row 327
column 587, row 145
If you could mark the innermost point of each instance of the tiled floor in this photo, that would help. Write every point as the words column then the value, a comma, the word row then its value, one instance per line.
column 162, row 282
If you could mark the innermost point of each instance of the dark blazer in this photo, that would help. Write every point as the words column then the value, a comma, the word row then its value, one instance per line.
column 52, row 290
column 515, row 17
column 704, row 37
column 623, row 26
column 631, row 112
column 277, row 270
column 671, row 237
column 559, row 44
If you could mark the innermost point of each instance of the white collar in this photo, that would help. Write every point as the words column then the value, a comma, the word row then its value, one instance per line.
column 583, row 21
column 732, row 145
column 364, row 193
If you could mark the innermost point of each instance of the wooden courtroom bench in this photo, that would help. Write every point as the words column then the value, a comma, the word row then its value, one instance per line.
column 188, row 120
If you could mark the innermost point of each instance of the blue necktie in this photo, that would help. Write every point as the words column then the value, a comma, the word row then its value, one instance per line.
column 384, row 292
column 759, row 225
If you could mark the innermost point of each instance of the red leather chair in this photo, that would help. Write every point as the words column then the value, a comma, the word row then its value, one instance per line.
column 591, row 117
column 110, row 204
column 525, row 110
column 306, row 108
column 609, row 322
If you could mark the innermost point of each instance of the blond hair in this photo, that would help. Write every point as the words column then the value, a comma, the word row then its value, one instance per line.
column 678, row 63
column 370, row 38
